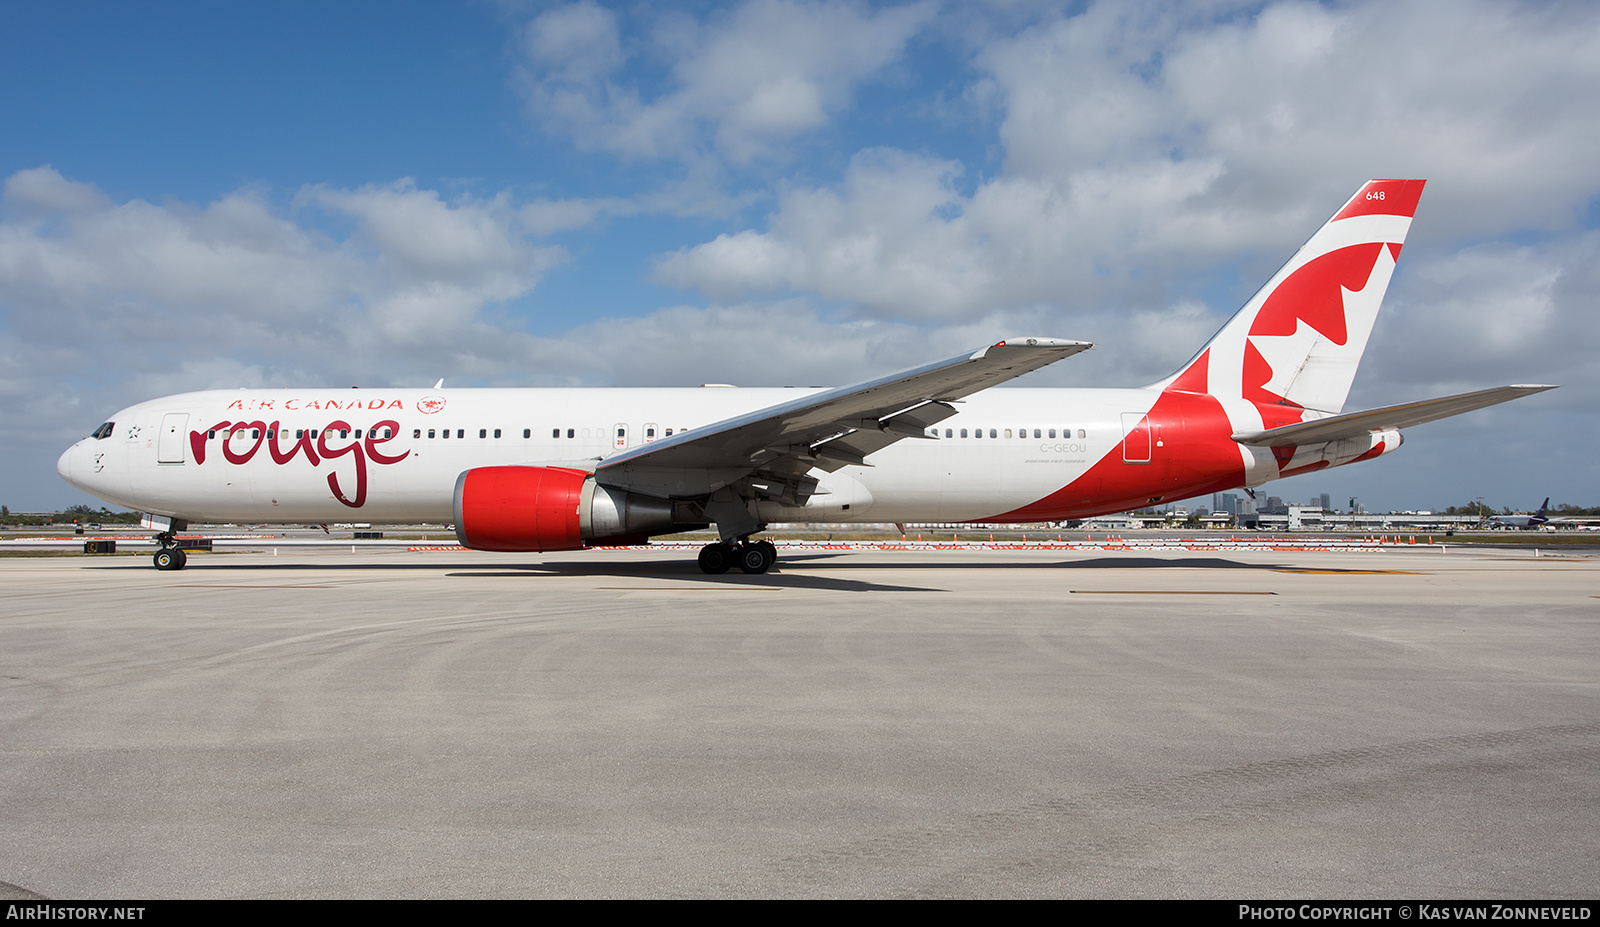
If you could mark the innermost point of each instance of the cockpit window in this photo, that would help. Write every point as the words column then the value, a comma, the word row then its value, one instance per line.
column 104, row 431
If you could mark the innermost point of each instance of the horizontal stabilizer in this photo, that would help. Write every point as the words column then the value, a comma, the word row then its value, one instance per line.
column 1357, row 424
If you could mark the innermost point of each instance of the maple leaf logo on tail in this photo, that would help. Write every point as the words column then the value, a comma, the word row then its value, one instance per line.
column 1297, row 343
column 1300, row 352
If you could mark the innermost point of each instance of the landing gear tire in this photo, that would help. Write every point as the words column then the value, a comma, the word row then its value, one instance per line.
column 715, row 558
column 171, row 558
column 758, row 557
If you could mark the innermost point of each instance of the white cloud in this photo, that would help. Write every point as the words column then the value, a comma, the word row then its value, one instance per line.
column 575, row 43
column 421, row 237
column 1491, row 101
column 86, row 254
column 237, row 293
column 543, row 218
column 897, row 240
column 741, row 82
column 878, row 241
column 42, row 191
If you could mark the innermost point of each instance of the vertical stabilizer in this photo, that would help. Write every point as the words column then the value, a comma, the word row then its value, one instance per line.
column 1296, row 344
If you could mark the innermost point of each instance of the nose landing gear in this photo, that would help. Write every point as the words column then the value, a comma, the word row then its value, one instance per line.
column 751, row 557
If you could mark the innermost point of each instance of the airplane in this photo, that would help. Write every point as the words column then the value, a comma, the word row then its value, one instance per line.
column 540, row 470
column 1525, row 522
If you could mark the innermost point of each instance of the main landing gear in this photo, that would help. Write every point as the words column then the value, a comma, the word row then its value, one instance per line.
column 170, row 556
column 749, row 556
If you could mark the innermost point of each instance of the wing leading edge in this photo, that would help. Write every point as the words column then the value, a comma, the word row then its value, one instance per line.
column 838, row 427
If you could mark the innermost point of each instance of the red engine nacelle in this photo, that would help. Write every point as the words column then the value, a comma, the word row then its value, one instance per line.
column 519, row 508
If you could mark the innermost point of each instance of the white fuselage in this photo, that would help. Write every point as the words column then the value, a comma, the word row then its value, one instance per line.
column 383, row 456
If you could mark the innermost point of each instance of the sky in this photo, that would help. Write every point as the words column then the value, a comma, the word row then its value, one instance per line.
column 775, row 192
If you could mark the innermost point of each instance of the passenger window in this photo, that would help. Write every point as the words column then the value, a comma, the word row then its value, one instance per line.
column 417, row 433
column 555, row 432
column 571, row 432
column 461, row 432
column 963, row 432
column 483, row 432
column 1008, row 432
column 669, row 432
column 430, row 432
column 1036, row 433
column 388, row 432
column 1082, row 433
column 527, row 432
column 213, row 433
column 497, row 432
column 949, row 433
column 255, row 432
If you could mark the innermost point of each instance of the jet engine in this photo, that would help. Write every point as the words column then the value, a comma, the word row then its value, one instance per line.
column 537, row 509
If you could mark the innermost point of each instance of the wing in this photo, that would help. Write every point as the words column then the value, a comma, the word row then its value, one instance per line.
column 828, row 430
column 1360, row 424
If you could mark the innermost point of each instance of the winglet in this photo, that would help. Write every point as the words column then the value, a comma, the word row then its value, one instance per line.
column 1023, row 343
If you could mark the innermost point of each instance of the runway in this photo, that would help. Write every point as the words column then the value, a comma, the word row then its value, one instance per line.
column 858, row 723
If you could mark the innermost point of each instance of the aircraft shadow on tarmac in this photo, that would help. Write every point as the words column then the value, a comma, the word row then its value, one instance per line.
column 689, row 572
column 790, row 573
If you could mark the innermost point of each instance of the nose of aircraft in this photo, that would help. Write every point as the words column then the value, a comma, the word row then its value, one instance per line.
column 67, row 464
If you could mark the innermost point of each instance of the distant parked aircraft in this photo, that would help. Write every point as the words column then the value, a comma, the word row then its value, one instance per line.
column 1524, row 522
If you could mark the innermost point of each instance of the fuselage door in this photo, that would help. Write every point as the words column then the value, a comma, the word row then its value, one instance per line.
column 174, row 430
column 619, row 436
column 1135, row 438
